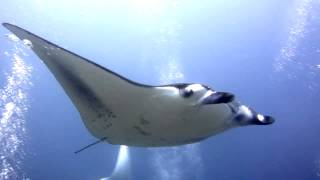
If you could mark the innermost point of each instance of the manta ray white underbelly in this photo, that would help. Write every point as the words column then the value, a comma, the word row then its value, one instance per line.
column 120, row 111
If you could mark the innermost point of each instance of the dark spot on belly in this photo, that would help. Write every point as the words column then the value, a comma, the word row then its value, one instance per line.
column 163, row 139
column 141, row 131
column 107, row 126
column 105, row 119
column 144, row 121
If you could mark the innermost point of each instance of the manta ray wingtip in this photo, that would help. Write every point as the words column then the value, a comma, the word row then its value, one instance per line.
column 6, row 24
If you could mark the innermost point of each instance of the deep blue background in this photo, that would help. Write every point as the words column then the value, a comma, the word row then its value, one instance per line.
column 231, row 46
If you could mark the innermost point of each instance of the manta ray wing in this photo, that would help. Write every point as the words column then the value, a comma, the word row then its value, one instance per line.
column 98, row 93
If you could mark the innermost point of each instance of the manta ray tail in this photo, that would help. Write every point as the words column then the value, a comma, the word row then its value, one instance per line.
column 90, row 145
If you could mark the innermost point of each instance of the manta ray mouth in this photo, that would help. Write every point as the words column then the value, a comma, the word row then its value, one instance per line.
column 218, row 98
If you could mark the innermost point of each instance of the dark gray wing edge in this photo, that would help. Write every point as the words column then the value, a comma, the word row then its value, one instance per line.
column 7, row 25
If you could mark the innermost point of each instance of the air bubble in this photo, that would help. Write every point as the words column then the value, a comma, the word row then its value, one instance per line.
column 12, row 37
column 27, row 43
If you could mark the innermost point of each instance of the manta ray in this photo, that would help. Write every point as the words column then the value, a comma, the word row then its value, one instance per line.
column 118, row 110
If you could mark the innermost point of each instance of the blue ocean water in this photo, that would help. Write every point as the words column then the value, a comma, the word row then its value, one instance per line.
column 266, row 52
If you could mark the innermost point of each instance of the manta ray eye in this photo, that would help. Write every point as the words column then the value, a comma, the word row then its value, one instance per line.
column 187, row 93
